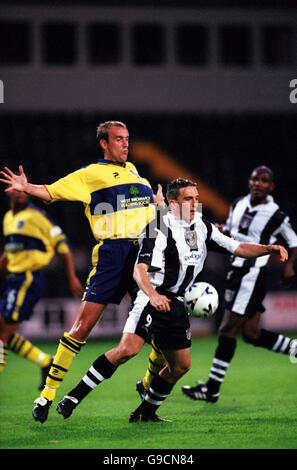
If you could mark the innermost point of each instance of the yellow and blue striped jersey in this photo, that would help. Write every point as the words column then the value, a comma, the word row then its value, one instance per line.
column 118, row 202
column 31, row 240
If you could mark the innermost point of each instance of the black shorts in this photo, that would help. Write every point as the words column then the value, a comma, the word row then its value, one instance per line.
column 245, row 290
column 20, row 295
column 169, row 330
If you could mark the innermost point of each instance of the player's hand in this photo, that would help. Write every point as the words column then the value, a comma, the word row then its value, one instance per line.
column 75, row 286
column 280, row 251
column 160, row 302
column 13, row 181
column 288, row 274
column 159, row 197
column 220, row 227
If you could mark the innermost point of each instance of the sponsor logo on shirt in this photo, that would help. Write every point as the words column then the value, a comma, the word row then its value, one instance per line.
column 192, row 259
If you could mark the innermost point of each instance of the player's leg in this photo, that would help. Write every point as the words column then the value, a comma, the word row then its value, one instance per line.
column 241, row 287
column 210, row 391
column 105, row 365
column 6, row 330
column 103, row 286
column 155, row 364
column 172, row 336
column 69, row 346
column 177, row 364
column 26, row 349
column 252, row 333
column 101, row 369
column 21, row 293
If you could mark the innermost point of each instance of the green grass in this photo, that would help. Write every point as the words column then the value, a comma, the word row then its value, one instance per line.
column 257, row 409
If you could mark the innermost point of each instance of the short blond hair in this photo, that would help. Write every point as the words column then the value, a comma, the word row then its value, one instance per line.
column 103, row 129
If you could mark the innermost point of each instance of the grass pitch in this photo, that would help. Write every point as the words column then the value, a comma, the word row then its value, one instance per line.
column 257, row 409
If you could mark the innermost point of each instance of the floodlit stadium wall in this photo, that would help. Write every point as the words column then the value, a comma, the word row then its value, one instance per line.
column 152, row 59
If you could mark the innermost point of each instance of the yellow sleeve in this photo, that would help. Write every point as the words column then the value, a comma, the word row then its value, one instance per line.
column 55, row 235
column 58, row 239
column 147, row 182
column 62, row 247
column 72, row 187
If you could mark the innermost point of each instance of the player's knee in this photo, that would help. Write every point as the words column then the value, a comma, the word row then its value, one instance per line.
column 227, row 330
column 250, row 337
column 128, row 351
column 81, row 329
column 178, row 371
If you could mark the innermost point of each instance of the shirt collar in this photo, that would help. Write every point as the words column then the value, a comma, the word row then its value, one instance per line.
column 269, row 199
column 106, row 162
column 176, row 222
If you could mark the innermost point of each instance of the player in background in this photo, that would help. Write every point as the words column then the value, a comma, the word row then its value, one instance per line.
column 172, row 254
column 31, row 240
column 119, row 203
column 254, row 218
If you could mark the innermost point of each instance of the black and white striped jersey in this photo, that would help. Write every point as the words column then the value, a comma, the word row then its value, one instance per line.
column 263, row 224
column 175, row 250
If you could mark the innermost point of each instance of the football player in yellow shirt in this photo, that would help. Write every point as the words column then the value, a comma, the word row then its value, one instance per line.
column 31, row 241
column 119, row 203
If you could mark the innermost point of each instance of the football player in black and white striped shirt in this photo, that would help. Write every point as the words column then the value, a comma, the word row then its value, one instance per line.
column 171, row 255
column 255, row 218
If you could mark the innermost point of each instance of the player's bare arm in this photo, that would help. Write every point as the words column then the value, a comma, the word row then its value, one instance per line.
column 20, row 183
column 3, row 262
column 253, row 250
column 75, row 286
column 158, row 301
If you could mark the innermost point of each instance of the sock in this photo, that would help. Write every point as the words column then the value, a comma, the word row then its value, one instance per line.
column 3, row 355
column 156, row 395
column 273, row 341
column 220, row 363
column 68, row 348
column 23, row 347
column 100, row 370
column 156, row 363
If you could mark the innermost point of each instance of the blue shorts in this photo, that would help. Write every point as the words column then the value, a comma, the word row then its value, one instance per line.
column 112, row 273
column 20, row 295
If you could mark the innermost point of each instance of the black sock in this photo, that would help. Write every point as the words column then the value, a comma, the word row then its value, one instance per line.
column 100, row 370
column 220, row 363
column 157, row 393
column 273, row 341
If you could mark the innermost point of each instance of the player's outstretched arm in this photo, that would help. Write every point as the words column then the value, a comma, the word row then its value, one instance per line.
column 253, row 250
column 20, row 183
column 75, row 286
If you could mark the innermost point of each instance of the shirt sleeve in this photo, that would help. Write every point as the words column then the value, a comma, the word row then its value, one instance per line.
column 72, row 187
column 59, row 240
column 287, row 232
column 54, row 234
column 151, row 248
column 220, row 242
